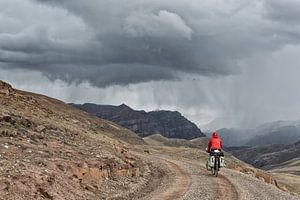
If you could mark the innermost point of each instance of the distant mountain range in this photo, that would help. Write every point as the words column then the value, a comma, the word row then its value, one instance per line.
column 268, row 156
column 278, row 132
column 169, row 124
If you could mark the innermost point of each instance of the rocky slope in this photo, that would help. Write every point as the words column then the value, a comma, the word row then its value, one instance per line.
column 49, row 150
column 167, row 123
column 267, row 156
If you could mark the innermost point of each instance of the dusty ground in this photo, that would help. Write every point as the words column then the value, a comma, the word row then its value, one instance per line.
column 192, row 181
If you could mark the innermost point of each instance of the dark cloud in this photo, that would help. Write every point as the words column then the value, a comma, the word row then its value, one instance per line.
column 140, row 41
column 285, row 11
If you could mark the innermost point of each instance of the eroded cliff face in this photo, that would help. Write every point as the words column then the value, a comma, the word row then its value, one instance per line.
column 167, row 123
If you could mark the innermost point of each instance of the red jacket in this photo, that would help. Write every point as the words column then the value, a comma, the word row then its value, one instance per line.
column 215, row 142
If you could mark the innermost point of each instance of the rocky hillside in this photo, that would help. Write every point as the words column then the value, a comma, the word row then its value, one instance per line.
column 267, row 156
column 167, row 123
column 49, row 150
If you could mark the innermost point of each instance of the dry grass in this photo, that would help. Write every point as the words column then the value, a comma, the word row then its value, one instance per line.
column 289, row 181
column 288, row 175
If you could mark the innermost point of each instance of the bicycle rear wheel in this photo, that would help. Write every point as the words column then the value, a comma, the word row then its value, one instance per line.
column 216, row 171
column 216, row 167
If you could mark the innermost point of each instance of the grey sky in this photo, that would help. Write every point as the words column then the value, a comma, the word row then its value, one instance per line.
column 235, row 60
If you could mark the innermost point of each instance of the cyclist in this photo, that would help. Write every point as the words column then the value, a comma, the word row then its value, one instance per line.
column 214, row 143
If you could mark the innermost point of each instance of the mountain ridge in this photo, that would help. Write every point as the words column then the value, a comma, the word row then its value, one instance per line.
column 167, row 123
column 267, row 156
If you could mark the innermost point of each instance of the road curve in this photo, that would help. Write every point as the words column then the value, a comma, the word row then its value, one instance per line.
column 189, row 180
column 226, row 190
column 180, row 184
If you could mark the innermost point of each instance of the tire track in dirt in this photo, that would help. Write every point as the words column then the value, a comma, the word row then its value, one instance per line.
column 175, row 185
column 179, row 185
column 226, row 189
column 181, row 180
column 189, row 180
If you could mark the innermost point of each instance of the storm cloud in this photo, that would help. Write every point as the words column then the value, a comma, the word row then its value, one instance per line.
column 208, row 59
column 116, row 43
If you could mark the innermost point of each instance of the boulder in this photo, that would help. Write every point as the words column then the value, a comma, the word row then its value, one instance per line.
column 88, row 175
column 41, row 129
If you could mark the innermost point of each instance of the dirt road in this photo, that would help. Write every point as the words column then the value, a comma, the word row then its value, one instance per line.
column 191, row 181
